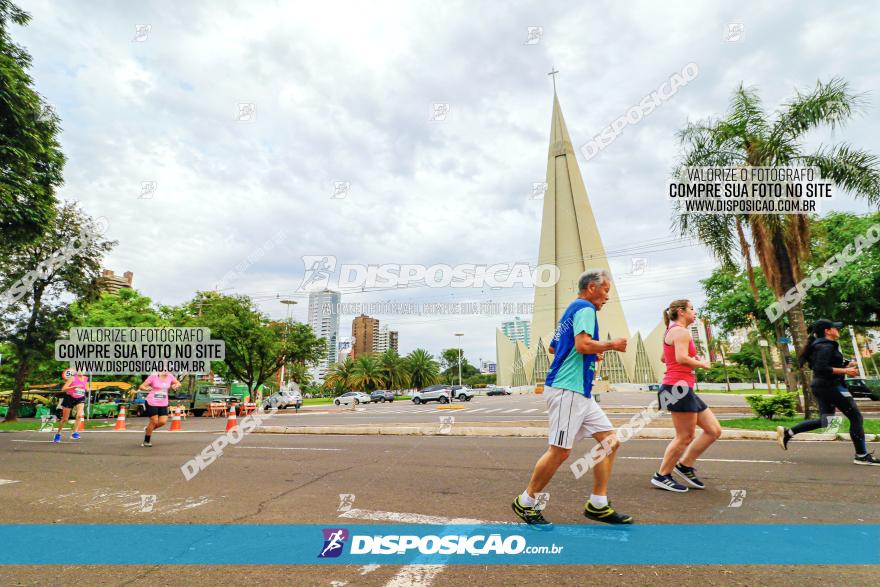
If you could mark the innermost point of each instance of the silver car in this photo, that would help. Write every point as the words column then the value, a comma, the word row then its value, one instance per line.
column 355, row 397
column 433, row 393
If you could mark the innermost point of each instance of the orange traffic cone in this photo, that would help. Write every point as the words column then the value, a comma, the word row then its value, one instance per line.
column 175, row 420
column 231, row 421
column 120, row 419
column 80, row 424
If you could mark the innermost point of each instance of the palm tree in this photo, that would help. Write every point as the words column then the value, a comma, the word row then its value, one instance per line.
column 299, row 373
column 423, row 370
column 367, row 373
column 393, row 367
column 747, row 137
column 340, row 375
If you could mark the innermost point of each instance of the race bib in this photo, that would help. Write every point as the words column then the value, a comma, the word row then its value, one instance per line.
column 159, row 395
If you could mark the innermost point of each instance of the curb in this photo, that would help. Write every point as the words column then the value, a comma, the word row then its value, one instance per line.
column 434, row 430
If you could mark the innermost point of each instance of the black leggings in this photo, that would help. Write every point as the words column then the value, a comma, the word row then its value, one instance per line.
column 828, row 400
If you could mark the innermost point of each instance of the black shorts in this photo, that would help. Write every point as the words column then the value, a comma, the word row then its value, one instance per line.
column 689, row 403
column 71, row 402
column 155, row 410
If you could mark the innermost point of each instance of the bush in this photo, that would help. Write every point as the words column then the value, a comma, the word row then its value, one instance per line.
column 769, row 406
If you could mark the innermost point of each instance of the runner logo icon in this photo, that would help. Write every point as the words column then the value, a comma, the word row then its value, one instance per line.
column 334, row 541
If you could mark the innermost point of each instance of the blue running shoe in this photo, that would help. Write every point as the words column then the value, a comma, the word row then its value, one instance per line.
column 74, row 436
column 57, row 438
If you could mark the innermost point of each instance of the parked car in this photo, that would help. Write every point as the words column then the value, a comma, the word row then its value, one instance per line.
column 286, row 398
column 654, row 387
column 382, row 396
column 356, row 397
column 496, row 390
column 433, row 393
column 462, row 393
column 869, row 388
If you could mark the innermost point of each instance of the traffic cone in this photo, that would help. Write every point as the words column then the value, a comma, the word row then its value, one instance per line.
column 80, row 424
column 120, row 419
column 231, row 421
column 175, row 420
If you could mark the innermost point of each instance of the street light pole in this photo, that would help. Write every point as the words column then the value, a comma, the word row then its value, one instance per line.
column 459, row 335
column 287, row 303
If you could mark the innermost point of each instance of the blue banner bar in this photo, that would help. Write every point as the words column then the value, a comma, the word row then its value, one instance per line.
column 276, row 544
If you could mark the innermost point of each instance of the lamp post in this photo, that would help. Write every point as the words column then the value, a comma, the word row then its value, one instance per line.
column 762, row 342
column 459, row 335
column 287, row 303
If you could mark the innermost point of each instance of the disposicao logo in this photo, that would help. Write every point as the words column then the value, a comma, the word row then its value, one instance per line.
column 334, row 541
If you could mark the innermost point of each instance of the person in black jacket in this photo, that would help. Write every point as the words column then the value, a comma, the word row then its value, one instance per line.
column 829, row 371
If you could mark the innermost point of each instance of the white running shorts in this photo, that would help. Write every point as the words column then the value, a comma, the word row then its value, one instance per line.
column 573, row 416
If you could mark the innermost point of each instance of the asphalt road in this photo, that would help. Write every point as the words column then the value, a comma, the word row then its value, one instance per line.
column 272, row 479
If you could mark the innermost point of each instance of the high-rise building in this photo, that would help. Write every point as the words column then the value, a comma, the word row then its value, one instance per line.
column 324, row 321
column 111, row 283
column 385, row 339
column 344, row 349
column 518, row 330
column 364, row 331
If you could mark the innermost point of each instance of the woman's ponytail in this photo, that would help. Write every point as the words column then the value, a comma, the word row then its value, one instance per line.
column 804, row 355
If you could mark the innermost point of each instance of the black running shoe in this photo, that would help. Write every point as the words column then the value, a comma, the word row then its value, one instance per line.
column 783, row 435
column 529, row 515
column 606, row 515
column 689, row 474
column 668, row 483
column 868, row 459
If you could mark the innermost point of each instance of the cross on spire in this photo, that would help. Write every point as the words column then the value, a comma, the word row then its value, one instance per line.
column 553, row 75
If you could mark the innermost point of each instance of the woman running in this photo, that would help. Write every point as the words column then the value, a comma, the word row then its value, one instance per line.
column 688, row 411
column 157, row 401
column 822, row 352
column 76, row 388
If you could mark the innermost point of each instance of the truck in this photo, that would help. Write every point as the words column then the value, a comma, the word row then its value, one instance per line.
column 199, row 401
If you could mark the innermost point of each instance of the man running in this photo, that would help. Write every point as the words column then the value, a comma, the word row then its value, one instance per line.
column 573, row 413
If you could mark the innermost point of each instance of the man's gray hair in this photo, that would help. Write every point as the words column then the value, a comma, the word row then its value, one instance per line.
column 596, row 276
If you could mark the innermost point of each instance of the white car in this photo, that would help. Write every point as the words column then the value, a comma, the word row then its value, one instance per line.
column 355, row 397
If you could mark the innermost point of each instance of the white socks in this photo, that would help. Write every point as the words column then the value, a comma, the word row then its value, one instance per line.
column 600, row 501
column 527, row 500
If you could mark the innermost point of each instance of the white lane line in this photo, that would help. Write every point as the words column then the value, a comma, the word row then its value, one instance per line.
column 8, row 481
column 530, row 411
column 474, row 411
column 366, row 569
column 358, row 514
column 660, row 458
column 493, row 410
column 546, row 412
column 49, row 441
column 509, row 411
column 287, row 448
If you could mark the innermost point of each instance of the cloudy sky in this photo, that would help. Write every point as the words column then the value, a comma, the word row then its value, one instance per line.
column 343, row 93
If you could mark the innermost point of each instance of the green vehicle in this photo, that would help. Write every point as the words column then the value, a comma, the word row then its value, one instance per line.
column 104, row 404
column 240, row 390
column 204, row 396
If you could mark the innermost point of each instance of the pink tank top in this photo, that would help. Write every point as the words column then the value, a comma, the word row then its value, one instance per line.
column 78, row 389
column 675, row 371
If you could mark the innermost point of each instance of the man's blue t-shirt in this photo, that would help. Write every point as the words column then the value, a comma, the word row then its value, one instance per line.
column 570, row 369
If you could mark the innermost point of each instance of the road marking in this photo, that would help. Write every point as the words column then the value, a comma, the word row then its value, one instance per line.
column 492, row 410
column 366, row 569
column 509, row 411
column 415, row 576
column 358, row 514
column 530, row 411
column 49, row 441
column 474, row 411
column 7, row 481
column 288, row 448
column 660, row 458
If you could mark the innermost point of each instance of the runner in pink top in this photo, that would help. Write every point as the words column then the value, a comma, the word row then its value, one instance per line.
column 687, row 409
column 157, row 401
column 75, row 387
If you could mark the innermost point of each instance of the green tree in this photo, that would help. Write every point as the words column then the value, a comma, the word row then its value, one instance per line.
column 38, row 278
column 126, row 308
column 449, row 365
column 393, row 368
column 746, row 136
column 340, row 376
column 256, row 346
column 368, row 375
column 31, row 161
column 423, row 370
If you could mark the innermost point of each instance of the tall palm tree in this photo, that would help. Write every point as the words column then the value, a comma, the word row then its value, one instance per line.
column 341, row 375
column 423, row 370
column 299, row 373
column 393, row 367
column 368, row 374
column 748, row 137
